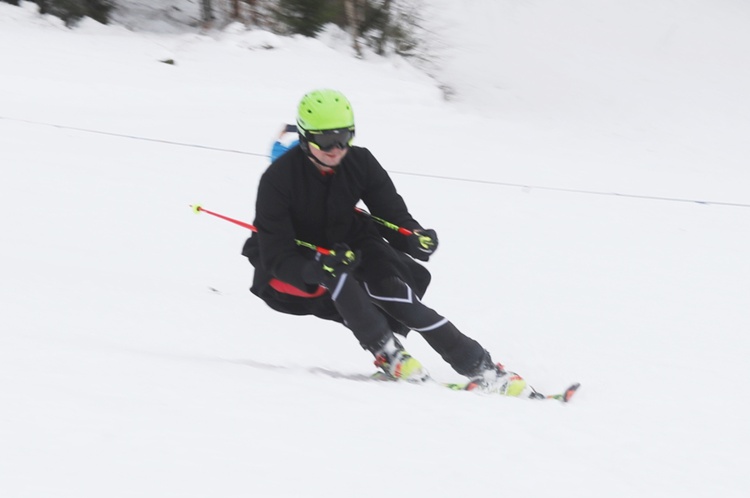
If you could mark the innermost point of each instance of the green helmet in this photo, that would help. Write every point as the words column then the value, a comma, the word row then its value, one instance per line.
column 324, row 109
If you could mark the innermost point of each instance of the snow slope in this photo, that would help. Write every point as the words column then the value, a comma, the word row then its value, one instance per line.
column 589, row 185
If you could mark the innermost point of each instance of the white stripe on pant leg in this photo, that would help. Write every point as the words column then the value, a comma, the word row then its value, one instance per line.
column 339, row 285
column 408, row 299
column 432, row 327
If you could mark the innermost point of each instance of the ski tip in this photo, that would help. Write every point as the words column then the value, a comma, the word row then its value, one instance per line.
column 567, row 394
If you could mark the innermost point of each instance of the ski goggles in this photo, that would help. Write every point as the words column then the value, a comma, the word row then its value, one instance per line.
column 327, row 140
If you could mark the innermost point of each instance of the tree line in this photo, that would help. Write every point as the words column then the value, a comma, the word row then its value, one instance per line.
column 72, row 11
column 384, row 26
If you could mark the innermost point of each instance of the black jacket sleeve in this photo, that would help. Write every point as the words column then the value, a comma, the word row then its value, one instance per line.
column 279, row 254
column 385, row 202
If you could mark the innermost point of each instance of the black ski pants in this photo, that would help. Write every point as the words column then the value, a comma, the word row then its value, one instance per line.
column 360, row 305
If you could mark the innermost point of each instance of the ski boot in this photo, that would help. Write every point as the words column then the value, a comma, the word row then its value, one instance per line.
column 397, row 364
column 494, row 379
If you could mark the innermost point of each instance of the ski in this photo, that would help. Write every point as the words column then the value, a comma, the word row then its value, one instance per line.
column 567, row 394
column 563, row 397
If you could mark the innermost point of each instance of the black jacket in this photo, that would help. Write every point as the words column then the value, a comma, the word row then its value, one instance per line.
column 295, row 201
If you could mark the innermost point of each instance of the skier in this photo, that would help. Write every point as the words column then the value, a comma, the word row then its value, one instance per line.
column 370, row 281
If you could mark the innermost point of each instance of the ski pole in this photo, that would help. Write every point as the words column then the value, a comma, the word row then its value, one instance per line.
column 387, row 224
column 197, row 209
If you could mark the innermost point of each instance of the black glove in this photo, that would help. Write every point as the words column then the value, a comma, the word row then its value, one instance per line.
column 327, row 269
column 422, row 243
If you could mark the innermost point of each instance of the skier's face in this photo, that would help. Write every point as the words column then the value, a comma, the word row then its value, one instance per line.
column 331, row 158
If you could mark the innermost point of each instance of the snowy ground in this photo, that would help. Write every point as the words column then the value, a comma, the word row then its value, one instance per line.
column 134, row 361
